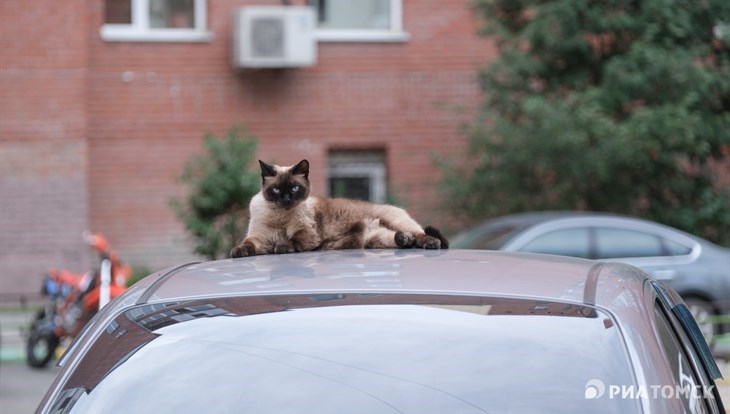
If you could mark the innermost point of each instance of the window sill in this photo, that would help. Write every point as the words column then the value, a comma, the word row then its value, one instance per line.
column 159, row 35
column 362, row 36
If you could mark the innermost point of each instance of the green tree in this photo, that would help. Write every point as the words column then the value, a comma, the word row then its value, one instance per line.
column 221, row 185
column 617, row 106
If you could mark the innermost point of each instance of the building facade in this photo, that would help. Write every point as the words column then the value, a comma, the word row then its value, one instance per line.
column 103, row 101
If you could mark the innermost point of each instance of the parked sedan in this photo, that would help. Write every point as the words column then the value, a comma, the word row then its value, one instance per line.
column 697, row 269
column 391, row 331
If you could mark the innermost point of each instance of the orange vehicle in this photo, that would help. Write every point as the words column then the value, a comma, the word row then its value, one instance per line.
column 73, row 300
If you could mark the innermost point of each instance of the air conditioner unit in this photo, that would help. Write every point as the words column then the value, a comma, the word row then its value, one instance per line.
column 274, row 37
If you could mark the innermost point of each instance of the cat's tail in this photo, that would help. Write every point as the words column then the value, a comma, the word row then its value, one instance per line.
column 434, row 232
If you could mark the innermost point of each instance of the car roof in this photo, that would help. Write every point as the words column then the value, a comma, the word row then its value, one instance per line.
column 453, row 271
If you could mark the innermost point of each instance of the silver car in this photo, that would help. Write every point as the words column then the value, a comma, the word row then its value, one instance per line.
column 391, row 331
column 697, row 269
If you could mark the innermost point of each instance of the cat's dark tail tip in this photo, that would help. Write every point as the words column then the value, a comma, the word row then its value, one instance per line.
column 434, row 232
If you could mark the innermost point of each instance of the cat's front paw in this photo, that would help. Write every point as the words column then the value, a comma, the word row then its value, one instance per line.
column 283, row 249
column 404, row 239
column 238, row 251
column 244, row 250
column 432, row 244
column 428, row 242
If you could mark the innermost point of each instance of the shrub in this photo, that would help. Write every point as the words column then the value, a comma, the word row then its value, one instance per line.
column 220, row 185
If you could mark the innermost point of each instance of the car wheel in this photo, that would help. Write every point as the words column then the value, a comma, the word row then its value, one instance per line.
column 703, row 312
column 40, row 348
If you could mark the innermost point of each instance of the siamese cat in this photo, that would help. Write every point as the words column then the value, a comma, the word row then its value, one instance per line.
column 286, row 219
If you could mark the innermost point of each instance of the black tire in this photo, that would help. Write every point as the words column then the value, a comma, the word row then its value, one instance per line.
column 40, row 348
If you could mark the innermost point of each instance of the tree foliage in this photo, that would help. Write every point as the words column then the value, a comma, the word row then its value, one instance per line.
column 618, row 106
column 221, row 185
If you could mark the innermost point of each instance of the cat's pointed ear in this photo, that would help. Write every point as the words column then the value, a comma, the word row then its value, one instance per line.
column 267, row 170
column 301, row 169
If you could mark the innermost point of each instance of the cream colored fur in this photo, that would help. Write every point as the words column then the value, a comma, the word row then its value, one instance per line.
column 317, row 223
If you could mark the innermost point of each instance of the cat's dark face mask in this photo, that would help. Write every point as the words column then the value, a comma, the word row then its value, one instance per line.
column 286, row 195
column 285, row 189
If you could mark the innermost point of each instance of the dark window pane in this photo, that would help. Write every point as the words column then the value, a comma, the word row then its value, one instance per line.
column 567, row 242
column 350, row 187
column 172, row 14
column 118, row 11
column 613, row 243
column 321, row 7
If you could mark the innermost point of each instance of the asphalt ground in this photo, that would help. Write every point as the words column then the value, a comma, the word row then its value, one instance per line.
column 22, row 388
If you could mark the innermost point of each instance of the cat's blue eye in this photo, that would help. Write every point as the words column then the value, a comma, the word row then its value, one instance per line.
column 295, row 188
column 275, row 190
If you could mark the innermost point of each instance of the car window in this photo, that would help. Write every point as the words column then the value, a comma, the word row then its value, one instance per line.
column 676, row 249
column 688, row 387
column 615, row 243
column 352, row 354
column 566, row 242
column 491, row 238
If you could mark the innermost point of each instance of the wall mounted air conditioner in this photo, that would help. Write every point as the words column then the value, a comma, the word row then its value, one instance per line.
column 274, row 37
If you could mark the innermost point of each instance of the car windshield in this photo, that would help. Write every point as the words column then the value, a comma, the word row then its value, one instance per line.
column 352, row 354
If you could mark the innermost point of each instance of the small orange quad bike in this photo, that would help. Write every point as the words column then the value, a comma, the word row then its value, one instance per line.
column 73, row 299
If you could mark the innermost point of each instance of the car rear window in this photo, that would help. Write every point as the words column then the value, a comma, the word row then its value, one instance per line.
column 352, row 354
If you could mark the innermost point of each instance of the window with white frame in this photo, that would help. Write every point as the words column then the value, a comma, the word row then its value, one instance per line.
column 360, row 20
column 357, row 175
column 155, row 20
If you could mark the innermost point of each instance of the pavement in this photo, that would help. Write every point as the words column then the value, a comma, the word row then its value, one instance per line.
column 21, row 388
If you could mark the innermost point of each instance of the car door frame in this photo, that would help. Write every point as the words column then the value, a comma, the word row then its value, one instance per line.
column 687, row 333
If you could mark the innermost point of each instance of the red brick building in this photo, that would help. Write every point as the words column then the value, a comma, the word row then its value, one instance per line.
column 102, row 101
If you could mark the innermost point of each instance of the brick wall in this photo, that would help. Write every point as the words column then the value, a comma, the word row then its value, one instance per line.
column 151, row 104
column 43, row 155
column 132, row 113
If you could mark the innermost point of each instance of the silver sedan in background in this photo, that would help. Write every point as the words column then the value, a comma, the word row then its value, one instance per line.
column 697, row 269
